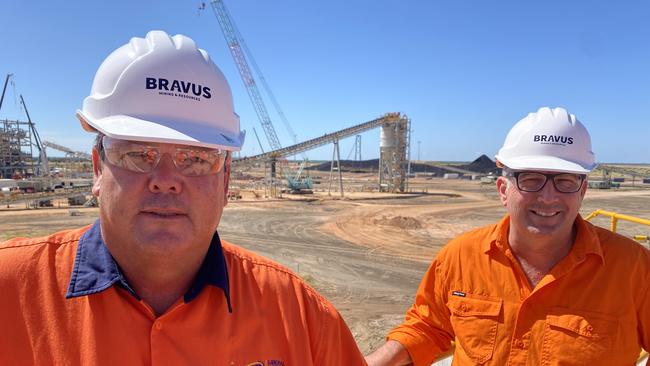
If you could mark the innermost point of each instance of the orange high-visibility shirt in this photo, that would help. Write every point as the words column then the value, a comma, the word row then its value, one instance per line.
column 64, row 301
column 593, row 308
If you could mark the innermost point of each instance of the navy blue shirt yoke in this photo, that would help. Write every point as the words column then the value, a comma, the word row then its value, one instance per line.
column 95, row 270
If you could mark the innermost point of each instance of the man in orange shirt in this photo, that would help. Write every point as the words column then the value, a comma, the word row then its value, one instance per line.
column 151, row 283
column 542, row 286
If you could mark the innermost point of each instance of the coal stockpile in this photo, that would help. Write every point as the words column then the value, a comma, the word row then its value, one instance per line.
column 373, row 166
column 428, row 169
column 482, row 164
column 349, row 166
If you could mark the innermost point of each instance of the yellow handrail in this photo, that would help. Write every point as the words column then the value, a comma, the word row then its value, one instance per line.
column 617, row 216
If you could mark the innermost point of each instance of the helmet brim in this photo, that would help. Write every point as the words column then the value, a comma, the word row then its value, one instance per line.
column 545, row 163
column 135, row 129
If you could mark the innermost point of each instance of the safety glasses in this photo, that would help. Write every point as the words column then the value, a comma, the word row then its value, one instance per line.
column 144, row 157
column 535, row 181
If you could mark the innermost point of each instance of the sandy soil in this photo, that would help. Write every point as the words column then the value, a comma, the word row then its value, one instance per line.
column 367, row 252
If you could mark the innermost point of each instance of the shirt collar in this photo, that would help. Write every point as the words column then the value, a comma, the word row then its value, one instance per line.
column 586, row 241
column 95, row 270
column 498, row 237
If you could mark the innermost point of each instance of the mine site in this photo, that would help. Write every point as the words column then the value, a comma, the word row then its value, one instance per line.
column 359, row 223
column 365, row 250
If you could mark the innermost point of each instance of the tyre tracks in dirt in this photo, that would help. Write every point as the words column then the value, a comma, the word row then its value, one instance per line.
column 370, row 277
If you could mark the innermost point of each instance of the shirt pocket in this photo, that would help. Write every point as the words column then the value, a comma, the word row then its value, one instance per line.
column 475, row 320
column 573, row 338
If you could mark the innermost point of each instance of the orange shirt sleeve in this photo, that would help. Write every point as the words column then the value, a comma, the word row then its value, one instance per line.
column 427, row 331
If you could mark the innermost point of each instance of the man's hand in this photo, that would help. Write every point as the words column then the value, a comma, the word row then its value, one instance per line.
column 392, row 353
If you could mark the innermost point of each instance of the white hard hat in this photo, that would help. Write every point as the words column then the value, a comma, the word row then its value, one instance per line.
column 162, row 89
column 551, row 139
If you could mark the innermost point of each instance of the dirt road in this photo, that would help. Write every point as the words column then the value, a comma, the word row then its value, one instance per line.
column 367, row 255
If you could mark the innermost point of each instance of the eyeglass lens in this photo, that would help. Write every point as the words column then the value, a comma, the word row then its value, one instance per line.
column 142, row 158
column 563, row 182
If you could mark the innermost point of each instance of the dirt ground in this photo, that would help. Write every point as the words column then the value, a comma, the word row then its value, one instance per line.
column 366, row 252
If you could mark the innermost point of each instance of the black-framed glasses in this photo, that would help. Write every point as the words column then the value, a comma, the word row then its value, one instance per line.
column 535, row 181
column 143, row 157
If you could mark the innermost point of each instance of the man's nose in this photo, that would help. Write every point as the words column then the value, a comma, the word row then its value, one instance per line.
column 548, row 193
column 165, row 178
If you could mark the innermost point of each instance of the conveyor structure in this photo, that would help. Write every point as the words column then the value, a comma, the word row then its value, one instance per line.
column 393, row 157
column 68, row 152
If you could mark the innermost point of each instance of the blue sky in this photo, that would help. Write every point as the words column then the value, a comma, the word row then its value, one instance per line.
column 463, row 71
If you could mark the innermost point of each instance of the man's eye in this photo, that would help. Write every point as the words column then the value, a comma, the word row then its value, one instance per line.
column 181, row 157
column 193, row 156
column 530, row 179
column 149, row 155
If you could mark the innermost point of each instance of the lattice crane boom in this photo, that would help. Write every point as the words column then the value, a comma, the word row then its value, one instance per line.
column 234, row 45
column 4, row 88
column 42, row 157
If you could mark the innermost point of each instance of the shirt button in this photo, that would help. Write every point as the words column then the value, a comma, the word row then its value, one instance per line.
column 589, row 329
column 158, row 325
column 519, row 343
column 463, row 308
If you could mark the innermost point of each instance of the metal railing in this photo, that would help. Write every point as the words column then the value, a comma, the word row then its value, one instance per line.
column 617, row 216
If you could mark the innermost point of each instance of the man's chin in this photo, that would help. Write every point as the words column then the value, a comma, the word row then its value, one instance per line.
column 547, row 230
column 164, row 241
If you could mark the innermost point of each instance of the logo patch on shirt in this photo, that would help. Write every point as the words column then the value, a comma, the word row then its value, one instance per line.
column 458, row 293
column 268, row 363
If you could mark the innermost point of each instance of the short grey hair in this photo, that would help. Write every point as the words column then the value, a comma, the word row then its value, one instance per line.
column 508, row 174
column 98, row 145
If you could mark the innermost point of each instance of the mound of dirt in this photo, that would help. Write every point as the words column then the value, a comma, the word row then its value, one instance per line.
column 402, row 222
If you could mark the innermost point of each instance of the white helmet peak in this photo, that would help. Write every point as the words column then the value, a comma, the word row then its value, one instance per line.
column 549, row 139
column 162, row 89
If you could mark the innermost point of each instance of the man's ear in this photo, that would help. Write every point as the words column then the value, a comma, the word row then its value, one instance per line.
column 97, row 172
column 502, row 188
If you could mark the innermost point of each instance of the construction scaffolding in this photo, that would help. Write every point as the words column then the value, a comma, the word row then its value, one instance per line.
column 16, row 155
column 16, row 141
